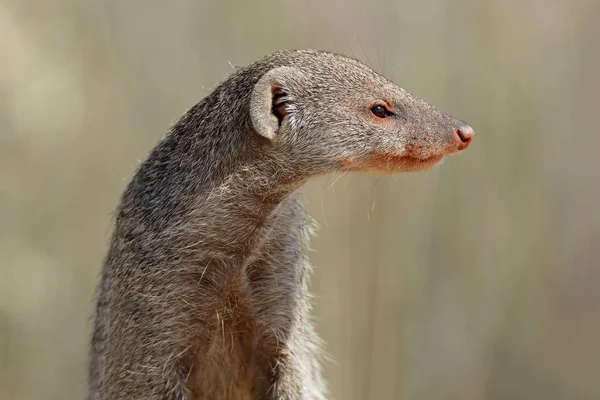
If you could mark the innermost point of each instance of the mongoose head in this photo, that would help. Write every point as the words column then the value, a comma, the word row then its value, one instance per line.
column 330, row 112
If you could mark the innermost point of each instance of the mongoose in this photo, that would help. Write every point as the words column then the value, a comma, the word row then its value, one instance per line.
column 203, row 293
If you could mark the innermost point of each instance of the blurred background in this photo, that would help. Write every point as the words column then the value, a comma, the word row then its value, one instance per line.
column 477, row 280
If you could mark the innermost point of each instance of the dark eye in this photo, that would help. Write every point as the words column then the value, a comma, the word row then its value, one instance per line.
column 381, row 111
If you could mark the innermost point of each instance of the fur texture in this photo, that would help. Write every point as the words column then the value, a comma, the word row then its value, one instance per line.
column 203, row 293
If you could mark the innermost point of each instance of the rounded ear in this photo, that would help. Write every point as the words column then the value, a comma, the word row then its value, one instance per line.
column 271, row 100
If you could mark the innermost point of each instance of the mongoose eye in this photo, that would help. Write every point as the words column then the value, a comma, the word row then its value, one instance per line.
column 380, row 111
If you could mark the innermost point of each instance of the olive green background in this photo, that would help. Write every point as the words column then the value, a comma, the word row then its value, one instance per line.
column 477, row 280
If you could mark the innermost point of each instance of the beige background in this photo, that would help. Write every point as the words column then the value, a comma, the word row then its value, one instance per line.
column 478, row 280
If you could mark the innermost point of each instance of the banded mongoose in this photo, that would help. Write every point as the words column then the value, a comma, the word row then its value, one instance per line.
column 203, row 293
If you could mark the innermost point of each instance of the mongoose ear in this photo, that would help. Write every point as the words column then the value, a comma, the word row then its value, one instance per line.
column 271, row 100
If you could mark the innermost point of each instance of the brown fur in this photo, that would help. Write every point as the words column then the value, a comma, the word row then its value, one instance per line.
column 203, row 293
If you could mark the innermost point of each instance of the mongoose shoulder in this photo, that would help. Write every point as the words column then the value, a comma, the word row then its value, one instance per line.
column 203, row 293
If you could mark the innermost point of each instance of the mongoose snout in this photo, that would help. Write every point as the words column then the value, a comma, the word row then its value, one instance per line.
column 465, row 136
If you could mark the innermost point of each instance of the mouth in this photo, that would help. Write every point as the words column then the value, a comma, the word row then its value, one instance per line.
column 409, row 163
column 422, row 161
column 391, row 163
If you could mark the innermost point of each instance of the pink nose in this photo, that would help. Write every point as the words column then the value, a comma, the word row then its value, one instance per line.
column 464, row 135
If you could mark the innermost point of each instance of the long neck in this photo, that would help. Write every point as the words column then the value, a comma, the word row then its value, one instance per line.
column 225, row 221
column 204, row 194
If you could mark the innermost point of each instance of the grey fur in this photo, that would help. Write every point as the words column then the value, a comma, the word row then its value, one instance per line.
column 203, row 293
